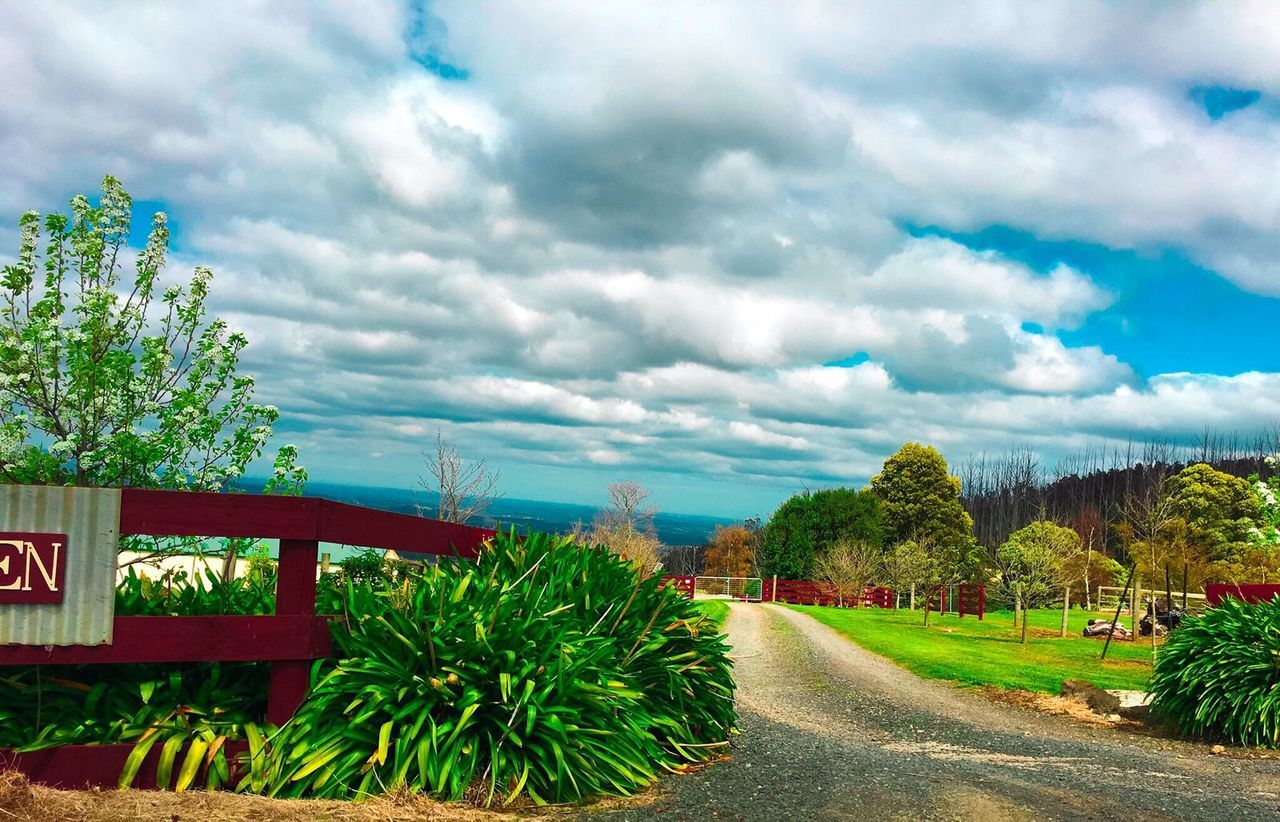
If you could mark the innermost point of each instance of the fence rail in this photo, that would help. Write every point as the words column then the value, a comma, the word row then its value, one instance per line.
column 1216, row 592
column 290, row 640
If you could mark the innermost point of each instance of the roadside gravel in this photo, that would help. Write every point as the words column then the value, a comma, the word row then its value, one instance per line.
column 830, row 731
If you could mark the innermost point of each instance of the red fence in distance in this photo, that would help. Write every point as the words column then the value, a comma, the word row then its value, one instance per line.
column 809, row 592
column 682, row 584
column 1216, row 592
column 290, row 640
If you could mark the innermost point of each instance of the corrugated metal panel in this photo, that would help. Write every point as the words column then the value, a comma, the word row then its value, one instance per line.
column 90, row 517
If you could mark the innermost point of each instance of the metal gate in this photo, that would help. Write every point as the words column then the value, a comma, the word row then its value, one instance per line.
column 746, row 589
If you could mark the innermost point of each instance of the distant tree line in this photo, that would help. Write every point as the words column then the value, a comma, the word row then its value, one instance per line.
column 1032, row 535
column 1093, row 489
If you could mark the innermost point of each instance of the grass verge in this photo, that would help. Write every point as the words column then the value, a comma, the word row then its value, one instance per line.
column 989, row 652
column 715, row 610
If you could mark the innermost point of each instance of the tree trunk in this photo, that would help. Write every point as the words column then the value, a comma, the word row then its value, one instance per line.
column 229, row 561
column 1017, row 603
column 1024, row 625
column 1066, row 607
column 912, row 603
column 1133, row 605
column 1088, row 560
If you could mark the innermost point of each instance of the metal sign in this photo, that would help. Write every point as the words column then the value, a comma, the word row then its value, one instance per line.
column 58, row 554
column 32, row 568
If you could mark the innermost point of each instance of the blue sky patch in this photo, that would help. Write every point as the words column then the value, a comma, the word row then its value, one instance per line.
column 849, row 362
column 1219, row 101
column 1168, row 314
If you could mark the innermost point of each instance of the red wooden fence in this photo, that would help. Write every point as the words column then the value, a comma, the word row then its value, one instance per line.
column 289, row 640
column 808, row 592
column 1216, row 592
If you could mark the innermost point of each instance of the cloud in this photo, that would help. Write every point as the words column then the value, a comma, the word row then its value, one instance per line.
column 602, row 242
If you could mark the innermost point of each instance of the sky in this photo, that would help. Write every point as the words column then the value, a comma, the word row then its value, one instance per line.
column 728, row 250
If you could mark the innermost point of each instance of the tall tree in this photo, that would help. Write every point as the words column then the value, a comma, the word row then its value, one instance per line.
column 921, row 502
column 809, row 523
column 108, row 379
column 1220, row 511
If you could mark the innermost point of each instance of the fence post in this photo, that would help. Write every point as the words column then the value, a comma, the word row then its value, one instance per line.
column 773, row 595
column 295, row 594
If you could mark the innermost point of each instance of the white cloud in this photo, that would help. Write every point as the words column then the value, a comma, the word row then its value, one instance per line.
column 623, row 243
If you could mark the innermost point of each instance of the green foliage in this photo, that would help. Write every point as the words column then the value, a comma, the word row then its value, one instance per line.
column 207, row 595
column 1217, row 674
column 808, row 524
column 1219, row 510
column 907, row 564
column 42, row 707
column 108, row 379
column 183, row 708
column 1037, row 558
column 546, row 669
column 921, row 503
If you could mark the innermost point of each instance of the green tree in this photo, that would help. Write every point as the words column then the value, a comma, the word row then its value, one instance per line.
column 921, row 503
column 108, row 380
column 1220, row 511
column 1036, row 563
column 112, row 381
column 910, row 569
column 809, row 523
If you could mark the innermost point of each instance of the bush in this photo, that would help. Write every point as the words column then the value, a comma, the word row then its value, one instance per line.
column 1217, row 675
column 546, row 669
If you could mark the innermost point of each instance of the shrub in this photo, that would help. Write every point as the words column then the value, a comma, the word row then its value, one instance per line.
column 1217, row 675
column 546, row 669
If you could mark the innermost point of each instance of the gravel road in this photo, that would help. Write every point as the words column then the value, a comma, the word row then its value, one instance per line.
column 830, row 731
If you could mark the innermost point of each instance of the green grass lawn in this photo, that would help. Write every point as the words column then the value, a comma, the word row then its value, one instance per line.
column 716, row 610
column 989, row 652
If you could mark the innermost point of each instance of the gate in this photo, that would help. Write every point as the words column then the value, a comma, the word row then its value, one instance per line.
column 746, row 589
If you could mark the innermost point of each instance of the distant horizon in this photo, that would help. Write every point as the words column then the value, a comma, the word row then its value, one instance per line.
column 673, row 527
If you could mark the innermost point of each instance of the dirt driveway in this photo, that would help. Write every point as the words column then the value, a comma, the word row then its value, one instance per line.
column 831, row 731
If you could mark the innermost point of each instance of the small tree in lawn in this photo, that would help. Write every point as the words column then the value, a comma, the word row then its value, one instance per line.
column 112, row 378
column 849, row 565
column 1032, row 561
column 908, row 565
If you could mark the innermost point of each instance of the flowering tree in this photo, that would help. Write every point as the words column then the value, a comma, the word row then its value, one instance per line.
column 1267, row 534
column 111, row 380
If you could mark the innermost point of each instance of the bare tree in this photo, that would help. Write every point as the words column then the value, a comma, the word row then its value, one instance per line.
column 465, row 488
column 626, row 499
column 849, row 565
column 683, row 560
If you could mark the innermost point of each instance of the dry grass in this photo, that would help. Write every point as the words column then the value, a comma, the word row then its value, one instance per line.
column 23, row 802
column 1073, row 707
